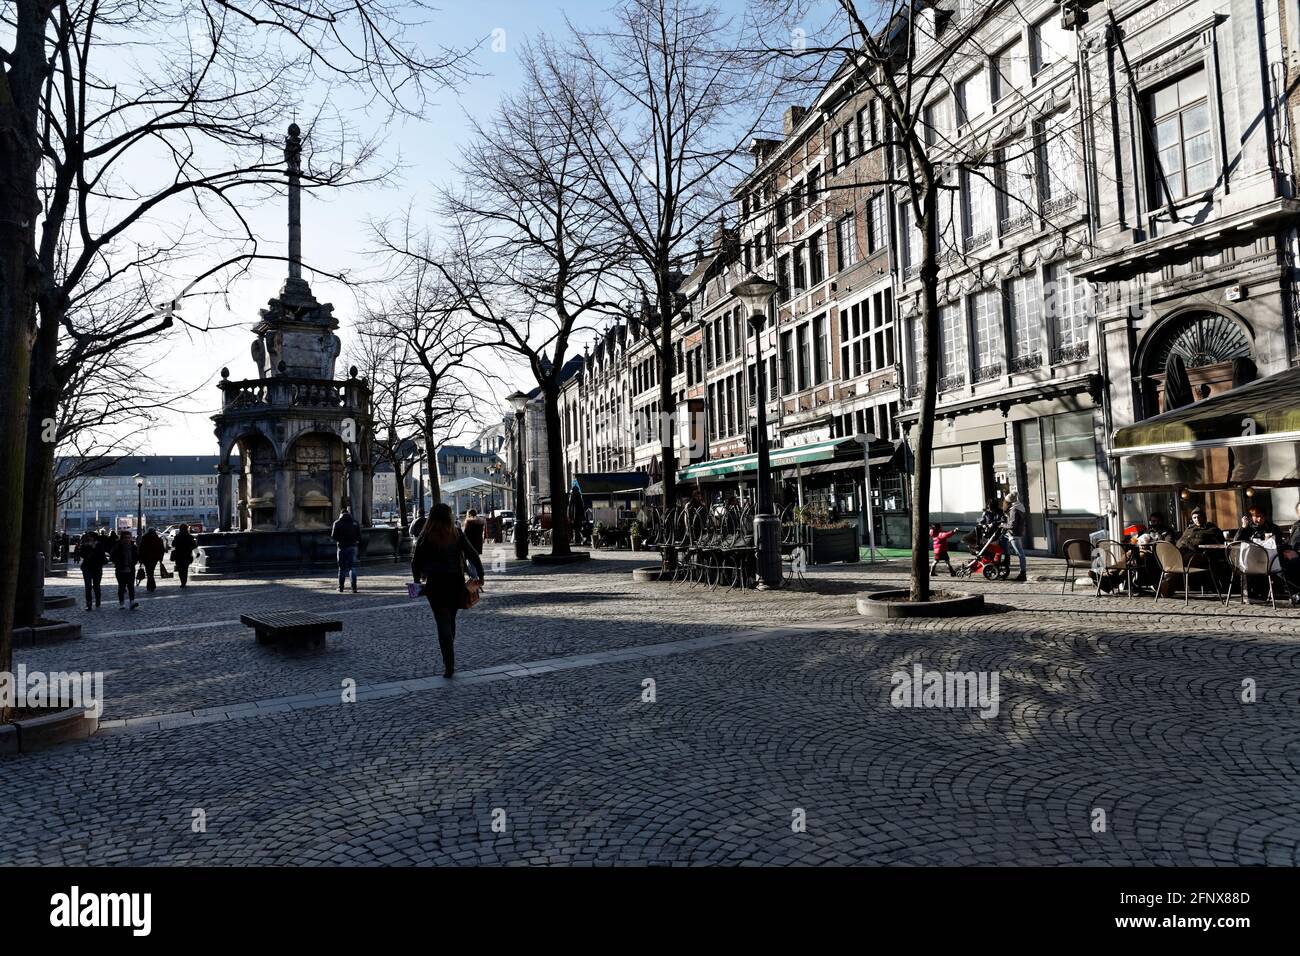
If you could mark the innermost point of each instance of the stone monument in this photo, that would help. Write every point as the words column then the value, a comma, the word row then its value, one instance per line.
column 303, row 437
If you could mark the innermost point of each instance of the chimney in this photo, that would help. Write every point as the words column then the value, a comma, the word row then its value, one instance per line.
column 793, row 117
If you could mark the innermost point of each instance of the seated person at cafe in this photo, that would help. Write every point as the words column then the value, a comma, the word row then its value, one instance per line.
column 1289, row 557
column 1255, row 526
column 1158, row 528
column 1198, row 545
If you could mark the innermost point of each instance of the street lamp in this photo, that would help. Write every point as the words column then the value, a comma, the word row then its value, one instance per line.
column 519, row 401
column 756, row 295
column 139, row 505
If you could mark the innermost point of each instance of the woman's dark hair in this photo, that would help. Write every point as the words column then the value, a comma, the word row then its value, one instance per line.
column 936, row 528
column 441, row 526
column 185, row 528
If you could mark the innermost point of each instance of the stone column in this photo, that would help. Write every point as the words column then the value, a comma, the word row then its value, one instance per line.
column 224, row 501
column 283, row 497
column 367, row 496
column 356, row 492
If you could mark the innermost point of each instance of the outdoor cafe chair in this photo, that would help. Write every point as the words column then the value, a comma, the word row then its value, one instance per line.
column 1078, row 555
column 1172, row 563
column 1248, row 560
column 1111, row 560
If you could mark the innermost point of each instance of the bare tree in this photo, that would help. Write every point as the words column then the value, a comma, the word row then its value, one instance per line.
column 531, row 256
column 385, row 362
column 100, row 146
column 667, row 109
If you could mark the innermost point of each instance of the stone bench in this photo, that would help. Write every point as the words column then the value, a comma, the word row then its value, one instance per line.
column 290, row 625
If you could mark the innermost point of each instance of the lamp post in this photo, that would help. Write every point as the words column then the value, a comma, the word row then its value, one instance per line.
column 870, row 518
column 756, row 295
column 139, row 505
column 519, row 402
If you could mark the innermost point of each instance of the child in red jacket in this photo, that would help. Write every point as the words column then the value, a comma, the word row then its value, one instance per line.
column 939, row 539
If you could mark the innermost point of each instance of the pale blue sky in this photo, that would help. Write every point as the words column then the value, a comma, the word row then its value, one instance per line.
column 335, row 233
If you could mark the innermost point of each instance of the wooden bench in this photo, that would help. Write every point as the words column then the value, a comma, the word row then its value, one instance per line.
column 290, row 625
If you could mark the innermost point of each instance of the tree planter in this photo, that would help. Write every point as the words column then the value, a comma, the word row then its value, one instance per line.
column 834, row 544
column 652, row 573
column 46, row 632
column 49, row 730
column 894, row 604
column 57, row 601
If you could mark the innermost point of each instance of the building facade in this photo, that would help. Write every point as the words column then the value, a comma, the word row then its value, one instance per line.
column 176, row 489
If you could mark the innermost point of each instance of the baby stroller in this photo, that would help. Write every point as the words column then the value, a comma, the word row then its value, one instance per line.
column 990, row 557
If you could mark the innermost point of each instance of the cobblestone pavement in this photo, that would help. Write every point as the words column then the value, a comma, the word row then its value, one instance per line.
column 1126, row 706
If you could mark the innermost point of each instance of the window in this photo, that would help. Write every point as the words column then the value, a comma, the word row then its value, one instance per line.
column 952, row 342
column 938, row 121
column 817, row 258
column 799, row 281
column 835, row 151
column 796, row 199
column 780, row 212
column 1015, row 168
column 846, row 141
column 787, row 363
column 822, row 350
column 801, row 357
column 747, row 254
column 1057, row 161
column 882, row 330
column 1069, row 303
column 1180, row 117
column 814, row 184
column 977, row 202
column 783, row 278
column 726, row 338
column 861, row 123
column 987, row 320
column 1026, row 317
column 1008, row 64
column 905, row 234
column 846, row 251
column 1049, row 43
column 972, row 97
column 876, row 223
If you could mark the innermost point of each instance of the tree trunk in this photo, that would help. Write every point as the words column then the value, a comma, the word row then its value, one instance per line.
column 667, row 407
column 555, row 465
column 20, row 93
column 38, row 482
column 929, row 318
column 400, row 475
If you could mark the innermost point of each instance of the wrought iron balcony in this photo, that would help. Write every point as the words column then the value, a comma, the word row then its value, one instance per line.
column 1070, row 353
column 987, row 373
column 979, row 240
column 284, row 392
column 909, row 272
column 1026, row 363
column 1060, row 204
column 913, row 390
column 949, row 382
column 1011, row 224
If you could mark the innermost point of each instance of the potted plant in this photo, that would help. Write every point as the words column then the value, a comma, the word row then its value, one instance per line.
column 598, row 535
column 635, row 532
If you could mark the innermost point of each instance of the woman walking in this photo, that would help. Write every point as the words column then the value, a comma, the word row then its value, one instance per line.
column 125, row 556
column 93, row 555
column 437, row 561
column 183, row 546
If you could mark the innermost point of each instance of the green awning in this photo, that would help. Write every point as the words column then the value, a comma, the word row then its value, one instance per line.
column 1263, row 411
column 781, row 458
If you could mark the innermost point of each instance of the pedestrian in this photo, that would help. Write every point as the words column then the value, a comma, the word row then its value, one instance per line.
column 939, row 541
column 92, row 556
column 347, row 535
column 125, row 556
column 417, row 526
column 474, row 529
column 437, row 561
column 152, row 550
column 1017, row 525
column 183, row 546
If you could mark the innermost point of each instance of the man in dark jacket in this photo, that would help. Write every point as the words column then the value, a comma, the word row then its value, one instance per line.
column 125, row 556
column 92, row 555
column 152, row 550
column 347, row 535
column 183, row 547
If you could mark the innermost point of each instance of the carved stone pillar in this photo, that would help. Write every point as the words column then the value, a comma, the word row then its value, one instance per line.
column 284, row 502
column 356, row 492
column 224, row 498
column 367, row 497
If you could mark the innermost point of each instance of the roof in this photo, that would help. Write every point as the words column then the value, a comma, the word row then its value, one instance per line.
column 1259, row 412
column 150, row 465
column 820, row 451
column 467, row 484
column 611, row 483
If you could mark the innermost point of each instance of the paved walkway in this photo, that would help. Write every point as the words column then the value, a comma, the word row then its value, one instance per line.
column 768, row 709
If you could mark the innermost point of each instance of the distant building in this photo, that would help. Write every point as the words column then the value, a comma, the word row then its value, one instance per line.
column 177, row 489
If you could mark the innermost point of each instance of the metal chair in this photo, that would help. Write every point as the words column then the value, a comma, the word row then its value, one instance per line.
column 1111, row 559
column 1247, row 560
column 1172, row 563
column 1078, row 554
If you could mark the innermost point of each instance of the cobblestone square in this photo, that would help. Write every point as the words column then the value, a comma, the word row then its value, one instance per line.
column 772, row 736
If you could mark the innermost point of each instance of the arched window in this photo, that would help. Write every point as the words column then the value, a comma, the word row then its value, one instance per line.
column 1207, row 342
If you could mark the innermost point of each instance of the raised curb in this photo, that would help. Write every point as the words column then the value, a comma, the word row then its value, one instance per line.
column 54, row 633
column 58, row 601
column 877, row 605
column 66, row 726
column 649, row 574
column 573, row 557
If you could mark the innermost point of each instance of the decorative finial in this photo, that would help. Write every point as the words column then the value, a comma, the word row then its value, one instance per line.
column 352, row 371
column 281, row 368
column 225, row 372
column 293, row 160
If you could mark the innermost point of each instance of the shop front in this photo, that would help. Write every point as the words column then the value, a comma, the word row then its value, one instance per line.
column 1227, row 453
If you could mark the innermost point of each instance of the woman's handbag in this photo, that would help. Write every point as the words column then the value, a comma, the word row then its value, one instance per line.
column 473, row 593
column 139, row 572
column 162, row 570
column 414, row 589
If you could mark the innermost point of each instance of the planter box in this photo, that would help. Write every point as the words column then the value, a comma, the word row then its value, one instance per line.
column 834, row 544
